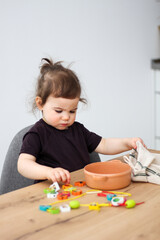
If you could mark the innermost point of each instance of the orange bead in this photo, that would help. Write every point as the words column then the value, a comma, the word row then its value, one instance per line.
column 80, row 183
column 76, row 192
column 62, row 196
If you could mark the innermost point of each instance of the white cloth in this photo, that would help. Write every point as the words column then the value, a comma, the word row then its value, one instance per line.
column 145, row 165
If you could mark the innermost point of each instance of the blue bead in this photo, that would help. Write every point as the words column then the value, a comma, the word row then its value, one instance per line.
column 44, row 207
column 110, row 196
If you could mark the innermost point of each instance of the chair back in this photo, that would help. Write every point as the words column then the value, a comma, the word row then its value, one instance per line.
column 10, row 177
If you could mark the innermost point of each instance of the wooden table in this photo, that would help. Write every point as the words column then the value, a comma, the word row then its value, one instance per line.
column 21, row 219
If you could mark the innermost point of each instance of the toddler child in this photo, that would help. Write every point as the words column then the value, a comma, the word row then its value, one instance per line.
column 57, row 144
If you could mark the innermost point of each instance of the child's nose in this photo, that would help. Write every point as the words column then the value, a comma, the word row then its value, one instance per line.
column 65, row 116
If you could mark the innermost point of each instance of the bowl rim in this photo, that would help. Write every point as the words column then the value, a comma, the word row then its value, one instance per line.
column 108, row 174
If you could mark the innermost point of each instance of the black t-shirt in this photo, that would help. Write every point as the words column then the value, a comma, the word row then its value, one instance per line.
column 68, row 148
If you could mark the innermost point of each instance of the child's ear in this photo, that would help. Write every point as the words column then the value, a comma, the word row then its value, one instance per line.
column 39, row 103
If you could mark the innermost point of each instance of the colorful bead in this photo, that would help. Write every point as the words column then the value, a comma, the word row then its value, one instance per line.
column 130, row 203
column 52, row 195
column 74, row 204
column 117, row 201
column 66, row 186
column 70, row 189
column 55, row 186
column 94, row 206
column 53, row 210
column 62, row 196
column 80, row 183
column 76, row 192
column 65, row 208
column 110, row 196
column 44, row 207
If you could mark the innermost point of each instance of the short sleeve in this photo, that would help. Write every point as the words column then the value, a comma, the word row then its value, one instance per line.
column 92, row 139
column 31, row 144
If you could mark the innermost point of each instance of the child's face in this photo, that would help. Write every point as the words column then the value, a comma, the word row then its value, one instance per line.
column 59, row 112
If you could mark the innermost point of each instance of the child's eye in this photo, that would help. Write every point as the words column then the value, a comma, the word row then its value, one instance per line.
column 58, row 111
column 72, row 111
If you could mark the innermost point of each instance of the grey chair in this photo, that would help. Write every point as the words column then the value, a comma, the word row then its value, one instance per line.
column 10, row 178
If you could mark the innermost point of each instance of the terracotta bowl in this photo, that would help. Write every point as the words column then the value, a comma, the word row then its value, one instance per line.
column 109, row 175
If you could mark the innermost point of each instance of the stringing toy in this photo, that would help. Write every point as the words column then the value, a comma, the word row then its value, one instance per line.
column 48, row 190
column 96, row 205
column 118, row 201
column 68, row 199
column 118, row 193
column 110, row 196
column 130, row 203
column 53, row 210
column 74, row 204
column 105, row 193
column 66, row 186
column 76, row 192
column 101, row 194
column 93, row 191
column 55, row 186
column 65, row 208
column 115, row 198
column 80, row 183
column 62, row 196
column 70, row 189
column 67, row 192
column 52, row 190
column 44, row 207
column 52, row 195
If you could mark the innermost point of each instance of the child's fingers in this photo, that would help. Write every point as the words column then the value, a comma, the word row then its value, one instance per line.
column 65, row 176
column 52, row 178
column 138, row 139
column 57, row 176
column 68, row 176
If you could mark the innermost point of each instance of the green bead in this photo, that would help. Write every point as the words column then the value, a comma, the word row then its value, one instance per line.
column 47, row 190
column 130, row 203
column 53, row 210
column 74, row 204
column 52, row 191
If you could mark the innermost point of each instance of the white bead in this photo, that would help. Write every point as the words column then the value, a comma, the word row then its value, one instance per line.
column 65, row 208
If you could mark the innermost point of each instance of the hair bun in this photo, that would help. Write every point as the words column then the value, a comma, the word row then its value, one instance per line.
column 47, row 66
column 47, row 60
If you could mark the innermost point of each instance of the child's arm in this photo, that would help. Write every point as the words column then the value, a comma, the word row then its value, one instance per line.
column 29, row 168
column 111, row 146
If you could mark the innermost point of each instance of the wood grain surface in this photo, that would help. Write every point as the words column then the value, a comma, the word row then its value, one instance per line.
column 21, row 219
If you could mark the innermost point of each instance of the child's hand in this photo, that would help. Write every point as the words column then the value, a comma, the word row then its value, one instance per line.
column 132, row 142
column 58, row 175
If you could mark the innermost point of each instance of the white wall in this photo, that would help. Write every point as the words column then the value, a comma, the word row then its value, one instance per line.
column 111, row 43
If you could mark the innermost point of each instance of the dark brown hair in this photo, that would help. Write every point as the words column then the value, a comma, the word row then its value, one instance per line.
column 58, row 81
